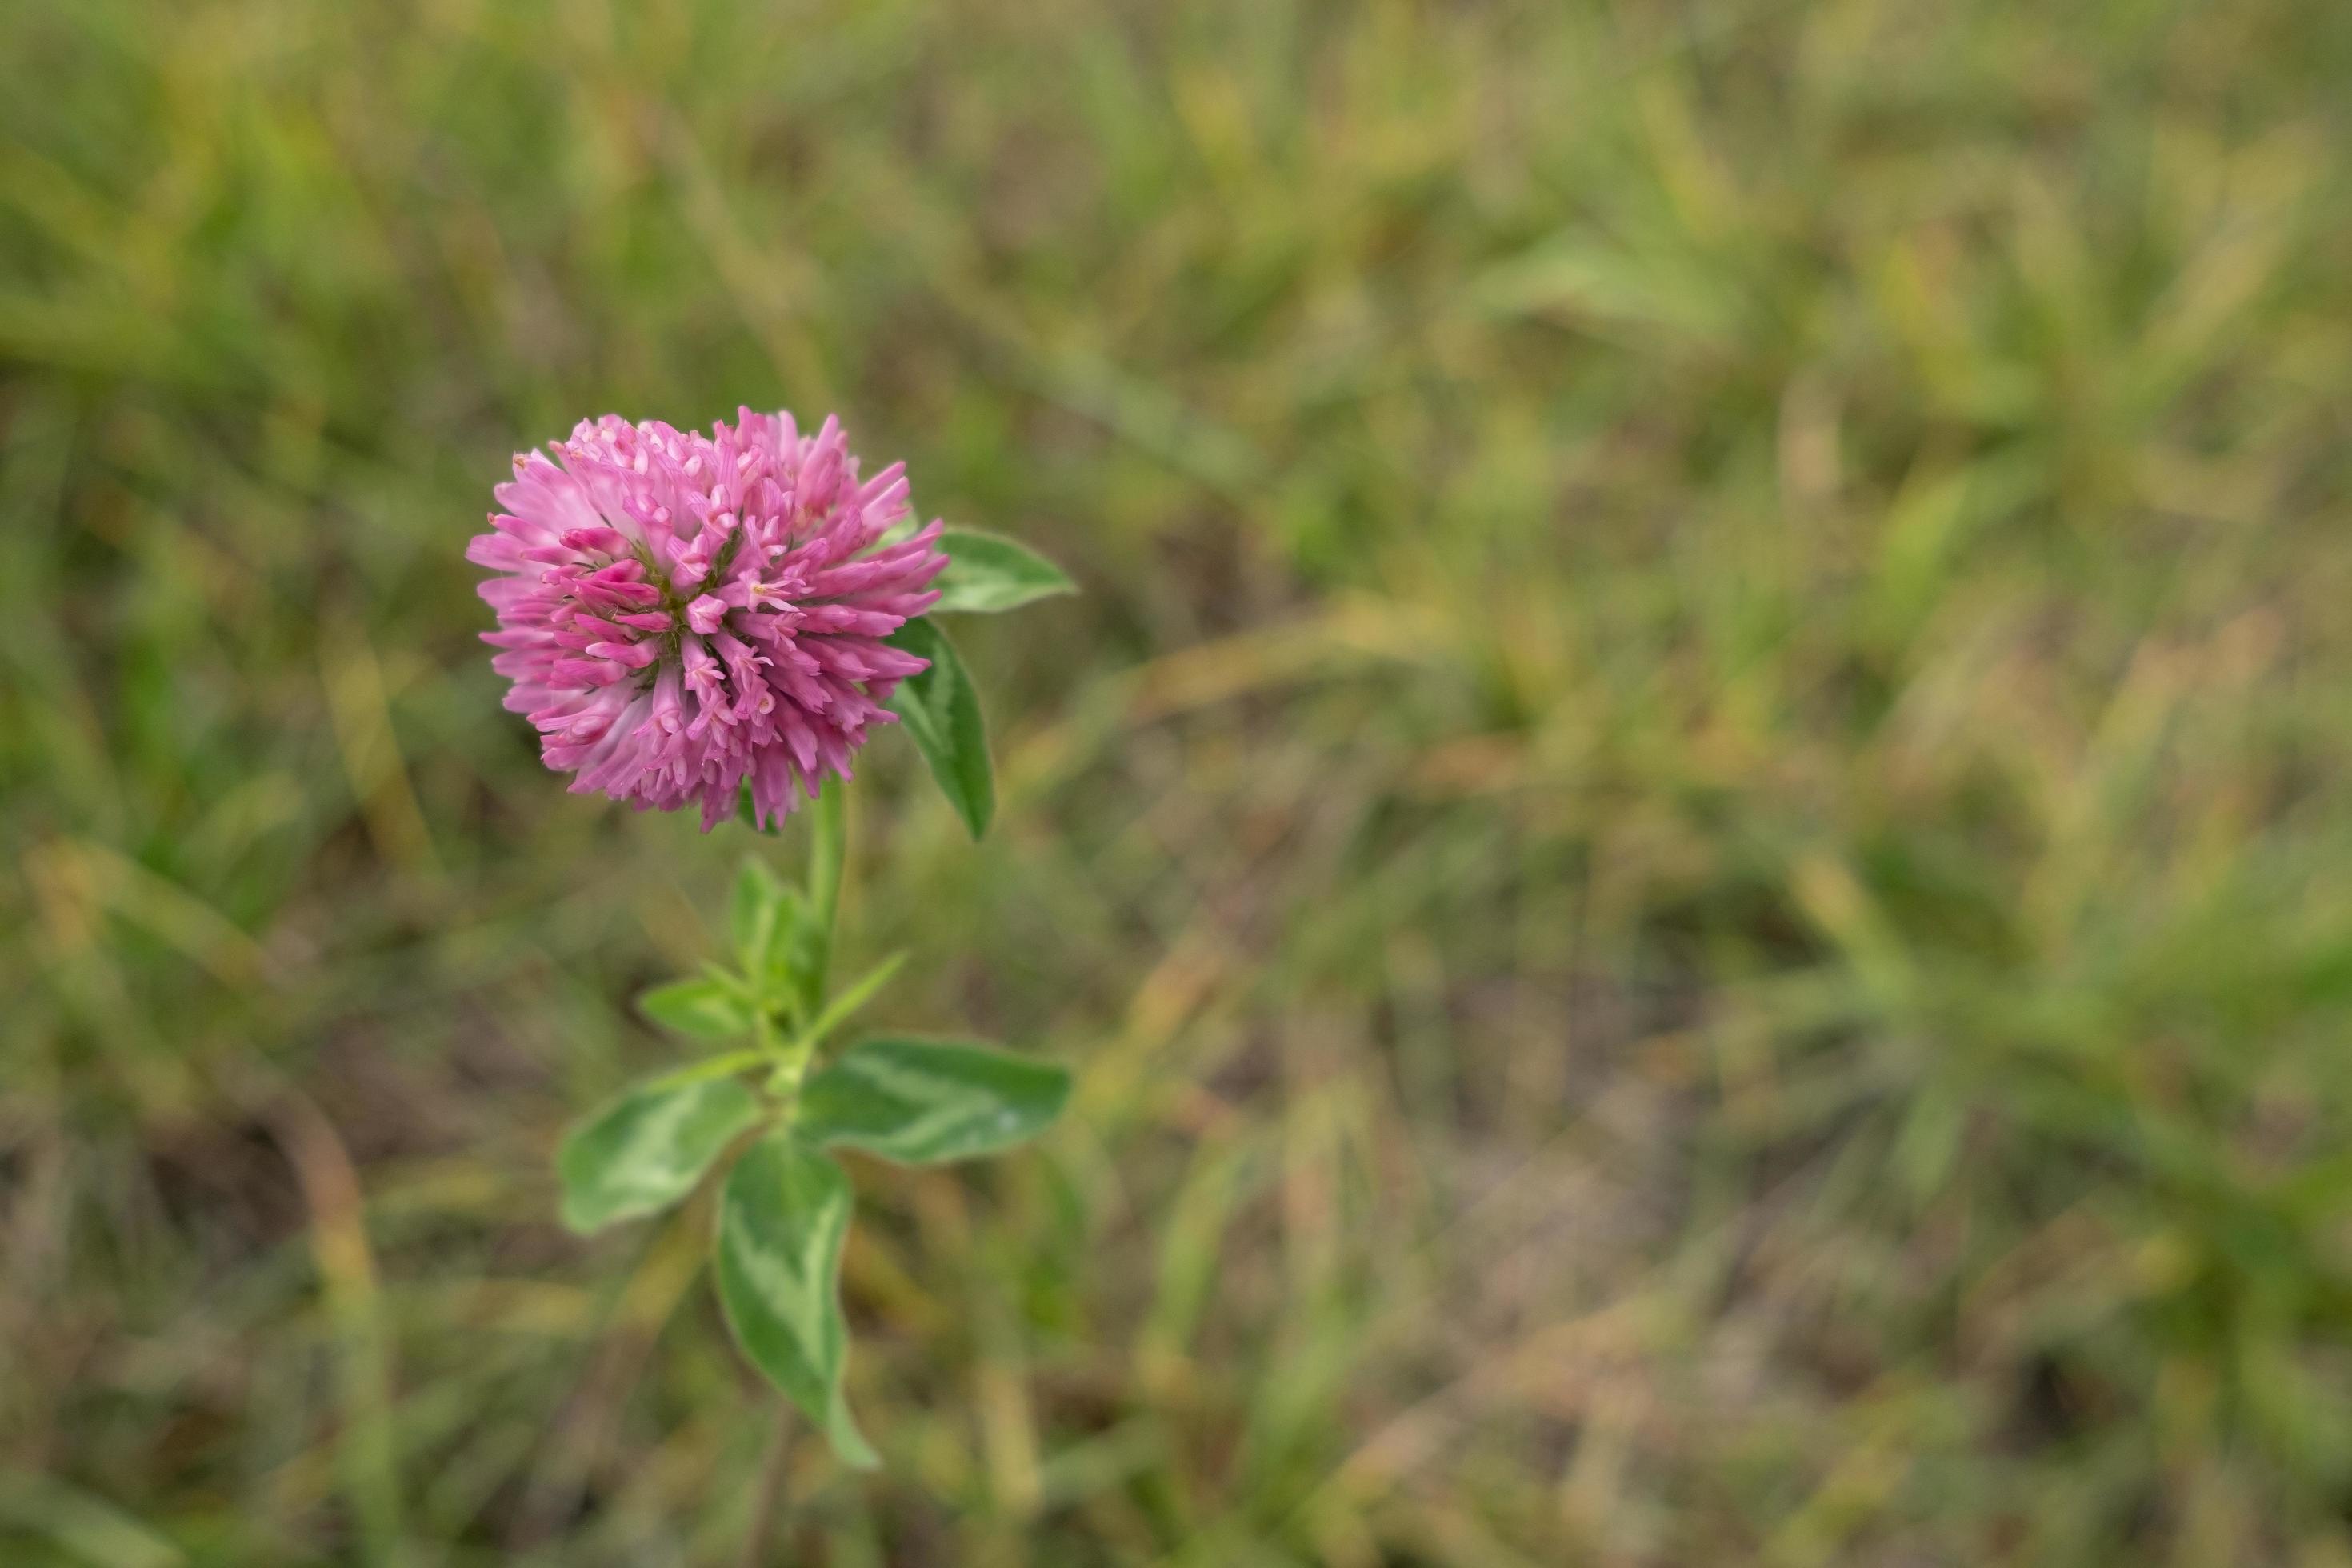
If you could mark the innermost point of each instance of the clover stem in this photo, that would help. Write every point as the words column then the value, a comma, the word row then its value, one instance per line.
column 828, row 853
column 791, row 1066
column 788, row 1054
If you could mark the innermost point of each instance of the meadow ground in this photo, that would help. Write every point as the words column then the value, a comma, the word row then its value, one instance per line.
column 1691, row 841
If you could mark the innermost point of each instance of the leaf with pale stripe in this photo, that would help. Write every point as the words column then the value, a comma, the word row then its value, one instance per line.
column 987, row 573
column 647, row 1149
column 921, row 1102
column 783, row 1218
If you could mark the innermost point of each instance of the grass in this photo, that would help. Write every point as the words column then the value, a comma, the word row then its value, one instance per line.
column 1690, row 839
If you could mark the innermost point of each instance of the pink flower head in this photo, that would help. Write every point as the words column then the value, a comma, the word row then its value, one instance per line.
column 681, row 614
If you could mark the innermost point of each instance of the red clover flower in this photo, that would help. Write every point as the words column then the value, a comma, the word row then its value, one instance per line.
column 682, row 615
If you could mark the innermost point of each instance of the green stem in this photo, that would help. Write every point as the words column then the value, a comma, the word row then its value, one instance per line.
column 828, row 858
column 828, row 852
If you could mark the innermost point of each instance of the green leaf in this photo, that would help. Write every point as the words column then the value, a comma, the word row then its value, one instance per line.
column 701, row 1006
column 781, row 1222
column 647, row 1149
column 919, row 1101
column 764, row 917
column 987, row 573
column 941, row 712
column 858, row 994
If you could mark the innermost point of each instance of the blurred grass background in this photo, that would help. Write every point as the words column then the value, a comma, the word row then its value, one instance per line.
column 1692, row 839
